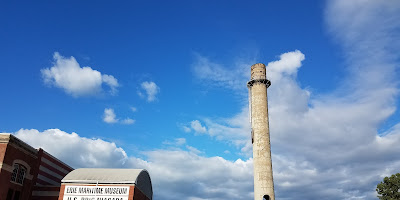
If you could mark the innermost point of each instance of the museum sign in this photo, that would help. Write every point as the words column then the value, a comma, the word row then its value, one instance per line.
column 72, row 192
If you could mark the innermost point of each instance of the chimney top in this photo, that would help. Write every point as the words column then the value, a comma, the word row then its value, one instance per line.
column 258, row 71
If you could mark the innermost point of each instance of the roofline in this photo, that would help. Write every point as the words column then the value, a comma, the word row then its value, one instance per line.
column 106, row 182
column 14, row 140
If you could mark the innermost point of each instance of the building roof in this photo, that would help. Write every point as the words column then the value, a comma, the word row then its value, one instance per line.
column 139, row 177
column 9, row 138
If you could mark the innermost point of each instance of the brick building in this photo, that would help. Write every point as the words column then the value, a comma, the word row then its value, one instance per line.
column 27, row 173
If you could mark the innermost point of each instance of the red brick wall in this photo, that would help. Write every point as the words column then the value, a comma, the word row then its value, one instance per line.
column 61, row 192
column 3, row 190
column 13, row 153
column 131, row 192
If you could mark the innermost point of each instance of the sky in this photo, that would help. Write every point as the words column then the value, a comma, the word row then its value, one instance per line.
column 161, row 85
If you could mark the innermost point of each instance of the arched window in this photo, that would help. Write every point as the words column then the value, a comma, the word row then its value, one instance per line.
column 15, row 172
column 266, row 197
column 18, row 174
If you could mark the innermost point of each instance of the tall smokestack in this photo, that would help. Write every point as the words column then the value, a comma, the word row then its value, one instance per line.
column 263, row 180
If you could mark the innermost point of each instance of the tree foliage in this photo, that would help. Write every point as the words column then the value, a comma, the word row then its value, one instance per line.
column 389, row 188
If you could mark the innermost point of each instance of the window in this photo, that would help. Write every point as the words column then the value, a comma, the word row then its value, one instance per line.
column 266, row 197
column 16, row 195
column 18, row 174
column 21, row 174
column 15, row 172
column 9, row 194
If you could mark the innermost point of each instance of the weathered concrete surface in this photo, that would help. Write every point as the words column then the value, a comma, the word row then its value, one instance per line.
column 263, row 180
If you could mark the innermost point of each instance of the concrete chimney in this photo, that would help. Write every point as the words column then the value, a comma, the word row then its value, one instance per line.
column 263, row 180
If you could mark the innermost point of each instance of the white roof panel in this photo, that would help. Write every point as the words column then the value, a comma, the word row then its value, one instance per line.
column 139, row 177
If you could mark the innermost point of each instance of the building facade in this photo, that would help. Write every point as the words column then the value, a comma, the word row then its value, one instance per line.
column 27, row 173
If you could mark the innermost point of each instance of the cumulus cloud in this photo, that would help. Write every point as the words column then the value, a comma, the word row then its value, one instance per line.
column 286, row 94
column 74, row 150
column 67, row 74
column 210, row 177
column 151, row 90
column 288, row 64
column 197, row 127
column 110, row 117
column 175, row 174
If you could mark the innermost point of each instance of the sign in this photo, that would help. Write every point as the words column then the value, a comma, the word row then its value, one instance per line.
column 96, row 192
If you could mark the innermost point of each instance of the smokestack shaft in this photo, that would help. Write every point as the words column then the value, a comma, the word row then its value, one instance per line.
column 263, row 179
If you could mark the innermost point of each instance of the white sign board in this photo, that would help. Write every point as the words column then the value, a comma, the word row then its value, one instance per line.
column 96, row 192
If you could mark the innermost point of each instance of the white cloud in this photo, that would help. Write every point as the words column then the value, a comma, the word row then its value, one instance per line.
column 176, row 142
column 67, row 74
column 193, row 149
column 110, row 81
column 285, row 94
column 151, row 89
column 109, row 116
column 186, row 129
column 133, row 109
column 75, row 150
column 235, row 130
column 180, row 141
column 197, row 127
column 178, row 174
column 288, row 65
column 128, row 121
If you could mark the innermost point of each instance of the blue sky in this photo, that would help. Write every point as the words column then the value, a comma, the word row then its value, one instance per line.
column 162, row 85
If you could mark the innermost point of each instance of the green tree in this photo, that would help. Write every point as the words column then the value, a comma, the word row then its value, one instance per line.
column 389, row 188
